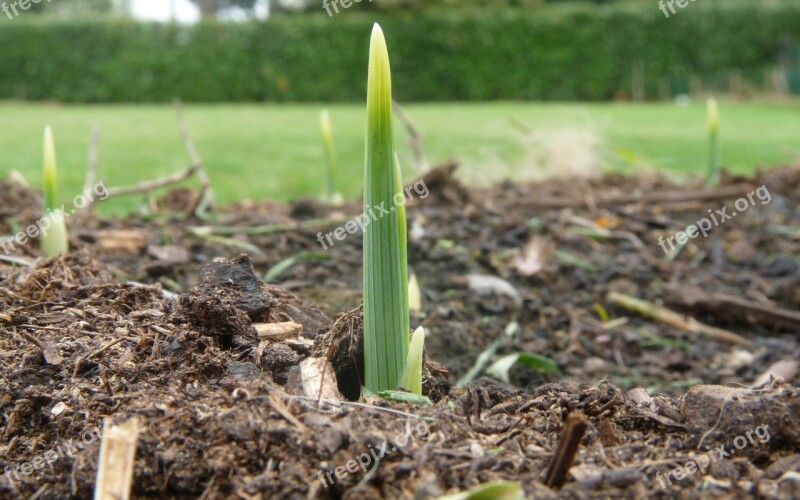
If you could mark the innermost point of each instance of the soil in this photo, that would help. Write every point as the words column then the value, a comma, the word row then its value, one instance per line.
column 153, row 318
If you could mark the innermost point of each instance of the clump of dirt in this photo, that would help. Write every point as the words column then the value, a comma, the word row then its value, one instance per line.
column 343, row 346
column 21, row 206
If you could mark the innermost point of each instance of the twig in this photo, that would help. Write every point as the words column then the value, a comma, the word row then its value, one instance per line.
column 198, row 205
column 354, row 404
column 674, row 319
column 50, row 353
column 91, row 164
column 20, row 261
column 103, row 349
column 568, row 445
column 144, row 187
column 33, row 340
column 732, row 306
column 788, row 231
column 414, row 139
column 368, row 476
column 266, row 229
column 205, row 197
column 201, row 232
column 670, row 197
column 283, row 411
column 194, row 155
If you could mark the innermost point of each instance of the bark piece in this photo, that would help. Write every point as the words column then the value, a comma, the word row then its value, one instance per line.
column 314, row 378
column 278, row 331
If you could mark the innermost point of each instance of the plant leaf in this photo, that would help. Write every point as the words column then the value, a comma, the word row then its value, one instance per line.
column 539, row 363
column 411, row 380
column 289, row 262
column 53, row 240
column 386, row 320
column 501, row 368
column 414, row 295
column 495, row 490
column 406, row 397
column 570, row 259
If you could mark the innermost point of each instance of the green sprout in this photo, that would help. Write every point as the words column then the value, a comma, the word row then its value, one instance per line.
column 414, row 295
column 411, row 380
column 386, row 314
column 712, row 176
column 330, row 159
column 495, row 490
column 53, row 241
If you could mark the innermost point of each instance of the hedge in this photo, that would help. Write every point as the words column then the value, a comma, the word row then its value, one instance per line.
column 561, row 52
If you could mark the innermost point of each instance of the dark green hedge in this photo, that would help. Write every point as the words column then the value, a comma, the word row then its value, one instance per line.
column 558, row 52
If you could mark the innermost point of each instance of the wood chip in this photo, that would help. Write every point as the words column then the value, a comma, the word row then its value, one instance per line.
column 117, row 458
column 278, row 331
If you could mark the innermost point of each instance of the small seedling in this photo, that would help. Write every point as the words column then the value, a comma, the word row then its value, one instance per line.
column 53, row 240
column 386, row 314
column 414, row 295
column 712, row 176
column 331, row 196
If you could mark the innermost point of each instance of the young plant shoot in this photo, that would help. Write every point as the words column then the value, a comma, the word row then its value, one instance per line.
column 712, row 177
column 414, row 295
column 386, row 317
column 331, row 196
column 412, row 375
column 53, row 240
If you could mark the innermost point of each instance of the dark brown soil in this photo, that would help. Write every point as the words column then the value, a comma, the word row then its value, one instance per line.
column 142, row 321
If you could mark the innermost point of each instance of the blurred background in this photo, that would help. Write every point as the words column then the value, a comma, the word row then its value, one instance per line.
column 516, row 89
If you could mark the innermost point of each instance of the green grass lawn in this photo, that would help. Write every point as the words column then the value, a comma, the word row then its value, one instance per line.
column 256, row 151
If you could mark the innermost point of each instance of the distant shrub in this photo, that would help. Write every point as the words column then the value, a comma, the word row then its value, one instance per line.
column 559, row 52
